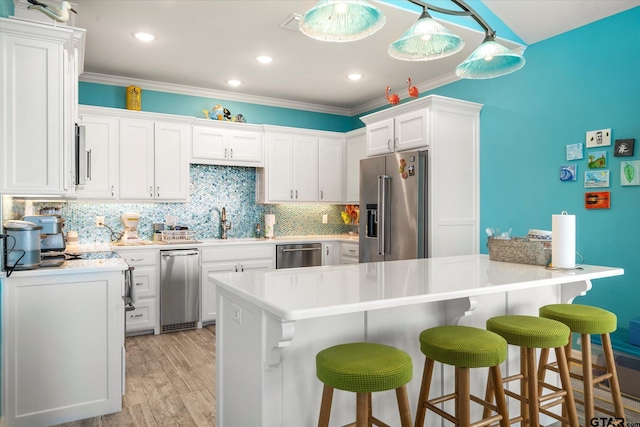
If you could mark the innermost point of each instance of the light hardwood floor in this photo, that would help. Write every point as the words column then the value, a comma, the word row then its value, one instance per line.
column 170, row 382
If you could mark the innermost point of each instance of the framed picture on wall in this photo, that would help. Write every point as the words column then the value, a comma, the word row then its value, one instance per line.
column 630, row 173
column 598, row 138
column 623, row 147
column 596, row 178
column 574, row 151
column 597, row 200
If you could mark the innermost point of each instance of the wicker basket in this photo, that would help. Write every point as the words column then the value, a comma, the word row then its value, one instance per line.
column 520, row 250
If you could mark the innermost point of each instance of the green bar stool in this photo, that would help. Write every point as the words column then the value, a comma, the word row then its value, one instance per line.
column 364, row 368
column 586, row 321
column 531, row 333
column 464, row 348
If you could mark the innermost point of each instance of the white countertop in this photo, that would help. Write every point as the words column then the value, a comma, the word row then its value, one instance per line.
column 294, row 294
column 77, row 266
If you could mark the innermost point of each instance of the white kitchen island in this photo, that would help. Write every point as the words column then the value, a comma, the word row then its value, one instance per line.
column 271, row 325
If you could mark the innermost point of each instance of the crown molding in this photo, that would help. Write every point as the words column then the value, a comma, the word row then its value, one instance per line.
column 210, row 93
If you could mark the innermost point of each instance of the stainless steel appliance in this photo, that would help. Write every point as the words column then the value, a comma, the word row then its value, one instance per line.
column 52, row 236
column 52, row 242
column 179, row 289
column 22, row 245
column 393, row 207
column 298, row 255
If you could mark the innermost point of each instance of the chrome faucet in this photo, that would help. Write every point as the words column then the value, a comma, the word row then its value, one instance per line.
column 225, row 226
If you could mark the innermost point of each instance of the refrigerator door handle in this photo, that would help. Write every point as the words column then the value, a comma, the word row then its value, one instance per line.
column 382, row 214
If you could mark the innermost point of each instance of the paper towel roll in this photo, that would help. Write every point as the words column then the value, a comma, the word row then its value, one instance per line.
column 563, row 241
column 269, row 223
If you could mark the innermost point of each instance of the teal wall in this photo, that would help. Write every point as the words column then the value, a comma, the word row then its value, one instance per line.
column 586, row 79
column 102, row 95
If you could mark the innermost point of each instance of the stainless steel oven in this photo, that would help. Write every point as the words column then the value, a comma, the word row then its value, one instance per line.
column 298, row 255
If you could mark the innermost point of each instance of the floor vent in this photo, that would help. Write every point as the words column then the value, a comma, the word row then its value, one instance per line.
column 179, row 327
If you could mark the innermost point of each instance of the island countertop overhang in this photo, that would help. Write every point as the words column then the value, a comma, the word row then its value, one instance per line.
column 297, row 294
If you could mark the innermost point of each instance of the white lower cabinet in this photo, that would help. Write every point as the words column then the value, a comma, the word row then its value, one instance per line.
column 62, row 347
column 330, row 253
column 349, row 253
column 230, row 259
column 146, row 284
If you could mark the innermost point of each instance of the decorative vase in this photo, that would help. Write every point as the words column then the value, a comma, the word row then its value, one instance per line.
column 134, row 95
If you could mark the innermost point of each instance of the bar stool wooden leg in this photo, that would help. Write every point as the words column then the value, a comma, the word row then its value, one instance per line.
column 424, row 391
column 524, row 386
column 325, row 406
column 495, row 377
column 532, row 388
column 463, row 390
column 362, row 409
column 565, row 380
column 618, row 408
column 403, row 404
column 587, row 377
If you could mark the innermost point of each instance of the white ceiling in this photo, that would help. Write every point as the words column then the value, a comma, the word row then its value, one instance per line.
column 201, row 44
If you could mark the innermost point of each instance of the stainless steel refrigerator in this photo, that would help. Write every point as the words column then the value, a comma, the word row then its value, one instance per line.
column 393, row 207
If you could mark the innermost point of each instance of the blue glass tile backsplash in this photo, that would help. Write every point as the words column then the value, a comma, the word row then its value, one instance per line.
column 211, row 188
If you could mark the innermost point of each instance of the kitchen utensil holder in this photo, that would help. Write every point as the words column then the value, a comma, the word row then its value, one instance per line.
column 519, row 250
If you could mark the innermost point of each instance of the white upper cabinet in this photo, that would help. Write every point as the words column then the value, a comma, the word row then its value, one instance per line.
column 301, row 166
column 101, row 156
column 35, row 122
column 356, row 151
column 330, row 170
column 171, row 161
column 227, row 144
column 153, row 160
column 305, row 168
column 404, row 131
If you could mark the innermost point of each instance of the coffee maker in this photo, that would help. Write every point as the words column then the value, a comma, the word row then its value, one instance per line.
column 130, row 235
column 52, row 242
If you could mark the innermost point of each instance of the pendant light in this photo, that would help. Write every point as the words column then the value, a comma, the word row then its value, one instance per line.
column 341, row 20
column 489, row 60
column 425, row 40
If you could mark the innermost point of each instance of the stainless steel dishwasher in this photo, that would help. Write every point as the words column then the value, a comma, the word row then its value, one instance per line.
column 298, row 255
column 179, row 289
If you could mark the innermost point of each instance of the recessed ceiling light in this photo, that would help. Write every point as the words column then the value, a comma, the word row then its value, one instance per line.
column 354, row 76
column 264, row 59
column 234, row 82
column 145, row 37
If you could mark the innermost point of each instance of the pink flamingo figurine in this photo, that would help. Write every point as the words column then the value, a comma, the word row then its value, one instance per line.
column 413, row 91
column 394, row 98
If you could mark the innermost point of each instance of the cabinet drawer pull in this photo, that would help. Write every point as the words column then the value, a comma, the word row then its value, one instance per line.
column 136, row 259
column 353, row 251
column 133, row 316
column 139, row 283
